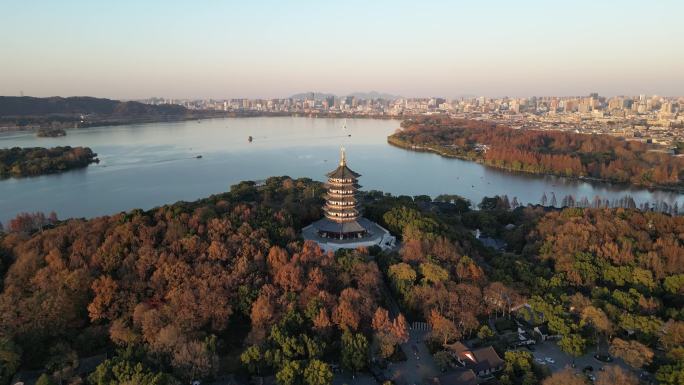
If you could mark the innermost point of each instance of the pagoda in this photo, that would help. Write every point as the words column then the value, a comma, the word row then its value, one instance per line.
column 341, row 208
column 342, row 225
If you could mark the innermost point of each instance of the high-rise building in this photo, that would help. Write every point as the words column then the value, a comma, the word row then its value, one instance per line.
column 570, row 105
column 514, row 106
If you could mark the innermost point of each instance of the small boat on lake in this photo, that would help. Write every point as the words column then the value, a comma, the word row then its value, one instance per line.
column 249, row 139
column 198, row 157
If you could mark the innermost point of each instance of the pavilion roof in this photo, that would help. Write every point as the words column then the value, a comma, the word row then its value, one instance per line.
column 342, row 184
column 340, row 198
column 343, row 172
column 327, row 225
column 340, row 209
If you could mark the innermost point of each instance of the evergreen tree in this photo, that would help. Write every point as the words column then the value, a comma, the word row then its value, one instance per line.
column 317, row 373
column 44, row 379
column 354, row 351
column 290, row 373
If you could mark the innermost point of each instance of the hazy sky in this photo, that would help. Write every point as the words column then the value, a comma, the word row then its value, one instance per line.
column 223, row 49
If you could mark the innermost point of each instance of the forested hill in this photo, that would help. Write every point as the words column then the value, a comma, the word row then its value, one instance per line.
column 31, row 106
column 225, row 285
column 20, row 113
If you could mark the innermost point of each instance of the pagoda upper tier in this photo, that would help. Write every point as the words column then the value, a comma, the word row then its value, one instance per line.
column 342, row 172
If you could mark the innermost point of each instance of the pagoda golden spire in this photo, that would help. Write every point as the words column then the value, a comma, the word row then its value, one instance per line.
column 343, row 157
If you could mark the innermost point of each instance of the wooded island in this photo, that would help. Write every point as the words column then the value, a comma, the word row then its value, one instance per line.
column 33, row 161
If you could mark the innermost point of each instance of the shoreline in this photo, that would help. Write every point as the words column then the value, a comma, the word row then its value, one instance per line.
column 76, row 124
column 391, row 140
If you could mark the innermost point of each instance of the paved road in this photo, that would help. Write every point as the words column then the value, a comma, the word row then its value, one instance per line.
column 390, row 301
column 347, row 379
column 419, row 367
column 563, row 360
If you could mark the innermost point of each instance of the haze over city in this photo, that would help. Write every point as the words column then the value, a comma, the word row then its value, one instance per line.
column 203, row 49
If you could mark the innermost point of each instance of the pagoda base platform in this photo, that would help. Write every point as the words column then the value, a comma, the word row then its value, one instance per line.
column 372, row 235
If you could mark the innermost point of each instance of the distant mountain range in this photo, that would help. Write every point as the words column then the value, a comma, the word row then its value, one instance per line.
column 81, row 105
column 358, row 95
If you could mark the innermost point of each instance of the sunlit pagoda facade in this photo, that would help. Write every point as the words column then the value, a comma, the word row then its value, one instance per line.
column 341, row 209
column 343, row 226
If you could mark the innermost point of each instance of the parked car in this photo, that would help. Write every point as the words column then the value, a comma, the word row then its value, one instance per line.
column 539, row 361
column 644, row 375
column 603, row 357
column 549, row 360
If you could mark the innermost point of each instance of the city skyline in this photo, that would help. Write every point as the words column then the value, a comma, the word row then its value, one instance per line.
column 273, row 50
column 652, row 119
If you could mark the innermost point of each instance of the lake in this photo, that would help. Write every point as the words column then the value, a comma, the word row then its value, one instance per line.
column 148, row 165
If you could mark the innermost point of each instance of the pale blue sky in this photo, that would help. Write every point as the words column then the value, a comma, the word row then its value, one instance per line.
column 212, row 48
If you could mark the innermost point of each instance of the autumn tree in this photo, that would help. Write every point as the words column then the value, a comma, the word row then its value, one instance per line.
column 104, row 304
column 499, row 297
column 613, row 374
column 634, row 353
column 468, row 270
column 564, row 377
column 432, row 273
column 673, row 335
column 389, row 333
column 27, row 222
column 196, row 358
column 352, row 308
column 443, row 329
column 598, row 321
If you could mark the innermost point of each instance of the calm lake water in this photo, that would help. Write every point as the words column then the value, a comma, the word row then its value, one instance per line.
column 143, row 166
